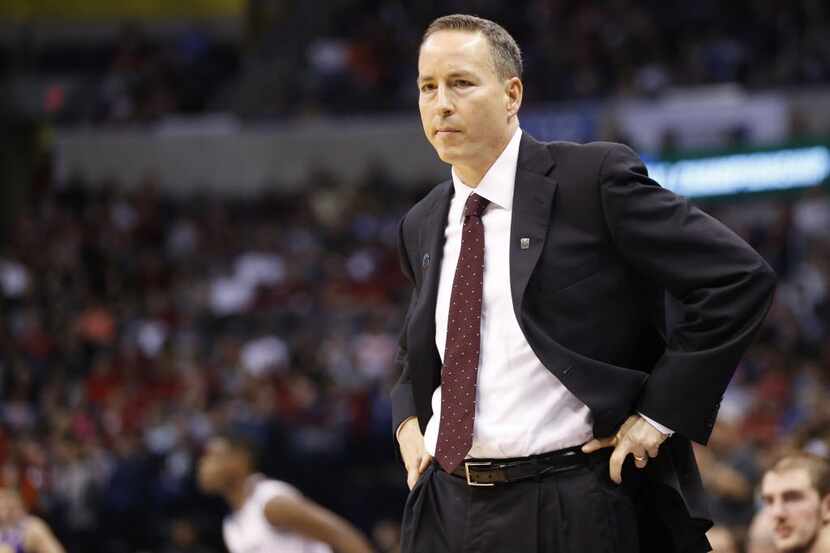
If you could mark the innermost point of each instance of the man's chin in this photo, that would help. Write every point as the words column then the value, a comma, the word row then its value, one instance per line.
column 448, row 155
column 788, row 545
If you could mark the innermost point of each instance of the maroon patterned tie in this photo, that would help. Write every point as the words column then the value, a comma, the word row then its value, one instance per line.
column 459, row 373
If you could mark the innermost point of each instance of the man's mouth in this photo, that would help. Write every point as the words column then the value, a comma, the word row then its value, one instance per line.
column 783, row 531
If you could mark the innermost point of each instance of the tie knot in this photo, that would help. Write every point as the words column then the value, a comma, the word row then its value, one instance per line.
column 475, row 205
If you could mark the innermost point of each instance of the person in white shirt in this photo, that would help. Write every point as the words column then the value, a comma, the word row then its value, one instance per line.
column 269, row 515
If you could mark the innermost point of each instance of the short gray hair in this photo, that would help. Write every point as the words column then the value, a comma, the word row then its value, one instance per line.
column 507, row 57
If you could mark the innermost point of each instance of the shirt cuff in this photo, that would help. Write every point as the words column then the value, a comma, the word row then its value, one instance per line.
column 663, row 430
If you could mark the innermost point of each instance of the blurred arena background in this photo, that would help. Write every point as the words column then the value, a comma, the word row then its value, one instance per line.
column 197, row 229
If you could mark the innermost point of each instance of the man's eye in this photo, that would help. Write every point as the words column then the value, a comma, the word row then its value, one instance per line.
column 427, row 87
column 463, row 83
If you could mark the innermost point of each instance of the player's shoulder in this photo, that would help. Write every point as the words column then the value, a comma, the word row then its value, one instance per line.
column 269, row 488
column 34, row 525
column 34, row 529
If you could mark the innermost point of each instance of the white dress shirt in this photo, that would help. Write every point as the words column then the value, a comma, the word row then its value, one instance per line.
column 521, row 407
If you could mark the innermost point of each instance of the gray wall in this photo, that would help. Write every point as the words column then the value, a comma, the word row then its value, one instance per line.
column 218, row 156
column 217, row 153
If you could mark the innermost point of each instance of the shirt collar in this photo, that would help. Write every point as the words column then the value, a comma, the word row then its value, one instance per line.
column 500, row 179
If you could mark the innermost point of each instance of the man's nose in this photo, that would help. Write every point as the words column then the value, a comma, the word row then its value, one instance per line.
column 777, row 510
column 444, row 102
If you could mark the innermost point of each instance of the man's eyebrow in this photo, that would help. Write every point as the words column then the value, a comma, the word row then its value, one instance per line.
column 460, row 73
column 453, row 75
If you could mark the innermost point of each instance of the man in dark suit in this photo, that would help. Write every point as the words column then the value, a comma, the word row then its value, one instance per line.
column 572, row 327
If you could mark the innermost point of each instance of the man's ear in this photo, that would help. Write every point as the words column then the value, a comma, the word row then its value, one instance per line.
column 825, row 509
column 514, row 89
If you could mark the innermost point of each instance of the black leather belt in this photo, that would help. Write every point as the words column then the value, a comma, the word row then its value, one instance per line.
column 489, row 472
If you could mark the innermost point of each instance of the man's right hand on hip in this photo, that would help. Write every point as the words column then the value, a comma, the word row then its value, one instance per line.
column 414, row 454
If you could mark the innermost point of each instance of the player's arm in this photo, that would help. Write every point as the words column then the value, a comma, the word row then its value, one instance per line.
column 40, row 539
column 305, row 517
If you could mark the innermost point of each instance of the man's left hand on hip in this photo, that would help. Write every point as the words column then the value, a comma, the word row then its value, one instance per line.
column 636, row 437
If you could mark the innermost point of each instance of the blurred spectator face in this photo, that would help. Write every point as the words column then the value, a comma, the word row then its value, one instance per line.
column 466, row 109
column 221, row 465
column 759, row 538
column 795, row 509
column 11, row 508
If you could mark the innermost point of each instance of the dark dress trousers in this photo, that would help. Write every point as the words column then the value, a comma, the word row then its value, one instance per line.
column 633, row 298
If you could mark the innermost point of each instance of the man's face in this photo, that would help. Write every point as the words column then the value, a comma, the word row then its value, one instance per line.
column 794, row 509
column 466, row 109
column 220, row 464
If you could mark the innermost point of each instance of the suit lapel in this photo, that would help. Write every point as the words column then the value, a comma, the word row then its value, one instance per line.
column 533, row 198
column 432, row 238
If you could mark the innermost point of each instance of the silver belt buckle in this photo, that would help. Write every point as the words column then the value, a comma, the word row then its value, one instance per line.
column 468, row 464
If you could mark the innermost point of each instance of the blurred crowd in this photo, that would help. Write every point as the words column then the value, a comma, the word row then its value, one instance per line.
column 356, row 56
column 778, row 400
column 135, row 325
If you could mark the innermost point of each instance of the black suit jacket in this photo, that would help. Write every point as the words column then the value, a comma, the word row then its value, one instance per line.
column 633, row 298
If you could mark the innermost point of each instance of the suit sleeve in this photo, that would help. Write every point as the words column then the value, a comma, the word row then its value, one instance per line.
column 724, row 287
column 403, row 400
